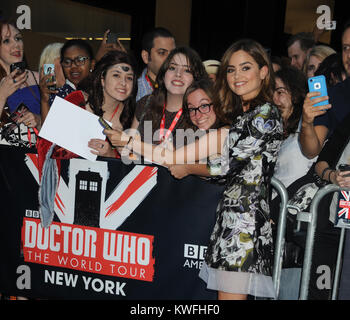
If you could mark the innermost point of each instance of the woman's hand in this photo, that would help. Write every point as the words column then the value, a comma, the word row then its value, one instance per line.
column 11, row 83
column 101, row 148
column 106, row 47
column 340, row 178
column 30, row 119
column 179, row 171
column 310, row 112
column 117, row 138
column 44, row 84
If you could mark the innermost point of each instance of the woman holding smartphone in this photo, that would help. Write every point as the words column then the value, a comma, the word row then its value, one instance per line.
column 111, row 91
column 239, row 257
column 77, row 63
column 18, row 85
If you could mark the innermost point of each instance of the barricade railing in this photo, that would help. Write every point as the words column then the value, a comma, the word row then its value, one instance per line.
column 280, row 236
column 311, row 218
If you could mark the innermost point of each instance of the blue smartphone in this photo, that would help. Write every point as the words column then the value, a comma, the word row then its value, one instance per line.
column 318, row 83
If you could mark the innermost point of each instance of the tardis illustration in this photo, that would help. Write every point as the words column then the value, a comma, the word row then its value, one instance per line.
column 87, row 198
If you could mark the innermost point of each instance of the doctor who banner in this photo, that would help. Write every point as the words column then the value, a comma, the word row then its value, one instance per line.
column 119, row 231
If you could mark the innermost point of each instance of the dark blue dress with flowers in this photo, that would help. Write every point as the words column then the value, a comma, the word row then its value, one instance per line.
column 239, row 257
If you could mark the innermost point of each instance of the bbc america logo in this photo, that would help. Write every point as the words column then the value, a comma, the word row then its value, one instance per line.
column 194, row 255
column 32, row 214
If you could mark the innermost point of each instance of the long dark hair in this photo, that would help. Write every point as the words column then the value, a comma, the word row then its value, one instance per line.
column 296, row 84
column 231, row 104
column 160, row 93
column 93, row 86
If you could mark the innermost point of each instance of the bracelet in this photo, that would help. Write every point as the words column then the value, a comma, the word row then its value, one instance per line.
column 329, row 175
column 324, row 171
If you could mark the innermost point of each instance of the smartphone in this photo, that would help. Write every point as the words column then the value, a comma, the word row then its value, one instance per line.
column 344, row 167
column 104, row 123
column 20, row 66
column 49, row 68
column 112, row 37
column 318, row 83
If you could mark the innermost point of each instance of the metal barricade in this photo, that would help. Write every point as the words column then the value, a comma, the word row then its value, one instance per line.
column 311, row 218
column 280, row 237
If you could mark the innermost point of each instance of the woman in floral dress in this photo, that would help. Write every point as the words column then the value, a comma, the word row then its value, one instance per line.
column 240, row 253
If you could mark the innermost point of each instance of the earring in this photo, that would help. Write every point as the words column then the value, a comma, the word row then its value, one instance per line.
column 90, row 70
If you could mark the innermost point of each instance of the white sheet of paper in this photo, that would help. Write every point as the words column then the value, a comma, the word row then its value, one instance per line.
column 72, row 128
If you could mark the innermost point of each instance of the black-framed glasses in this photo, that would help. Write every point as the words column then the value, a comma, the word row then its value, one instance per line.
column 78, row 61
column 204, row 108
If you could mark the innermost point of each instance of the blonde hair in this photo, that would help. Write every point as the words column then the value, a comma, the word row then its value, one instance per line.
column 51, row 52
column 321, row 52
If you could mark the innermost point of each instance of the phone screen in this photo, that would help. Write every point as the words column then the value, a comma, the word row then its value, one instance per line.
column 318, row 83
column 49, row 68
column 112, row 37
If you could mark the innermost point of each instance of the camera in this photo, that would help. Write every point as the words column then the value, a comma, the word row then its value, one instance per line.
column 317, row 86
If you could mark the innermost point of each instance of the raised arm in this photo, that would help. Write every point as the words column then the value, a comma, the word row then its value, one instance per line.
column 312, row 137
column 106, row 47
column 45, row 94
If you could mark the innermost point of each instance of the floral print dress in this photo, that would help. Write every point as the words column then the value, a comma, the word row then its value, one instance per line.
column 239, row 257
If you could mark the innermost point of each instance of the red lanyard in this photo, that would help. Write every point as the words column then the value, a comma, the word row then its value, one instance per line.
column 114, row 112
column 150, row 82
column 29, row 135
column 163, row 137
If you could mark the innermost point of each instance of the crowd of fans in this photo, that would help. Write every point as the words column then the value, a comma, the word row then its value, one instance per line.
column 268, row 123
